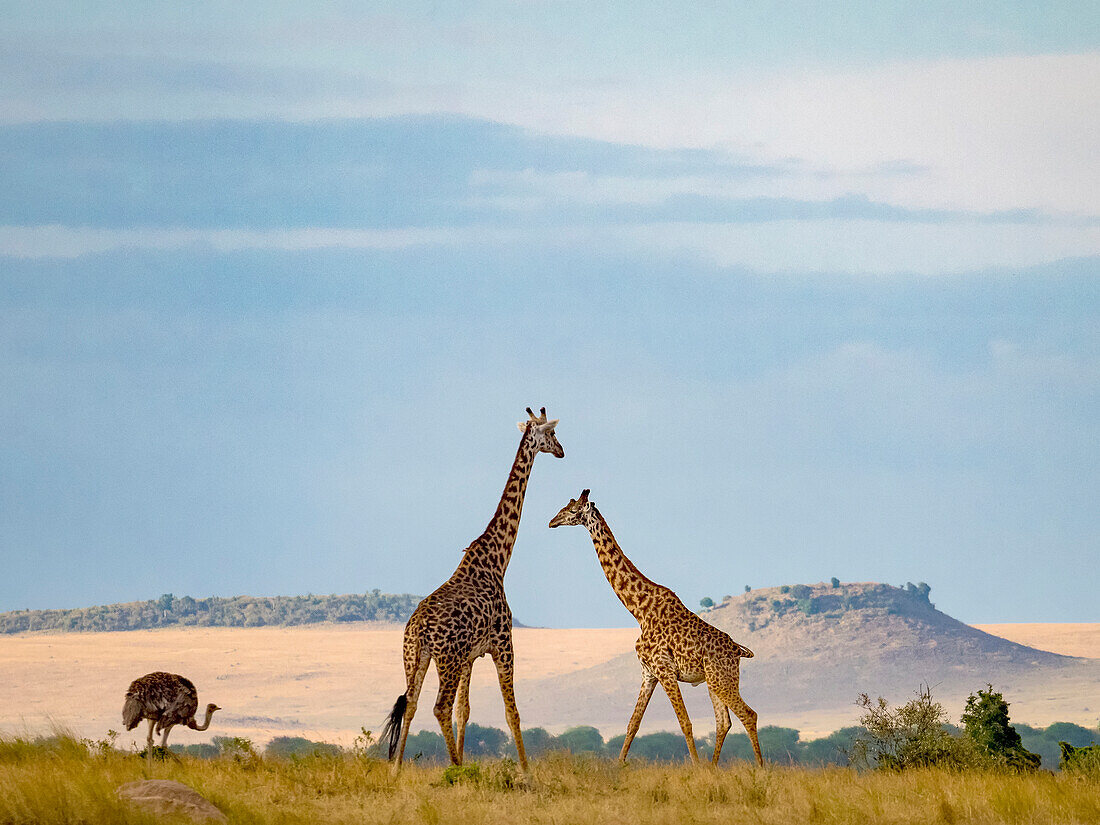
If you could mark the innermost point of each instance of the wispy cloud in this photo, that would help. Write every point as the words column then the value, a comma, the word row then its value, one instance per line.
column 826, row 245
column 995, row 133
column 78, row 188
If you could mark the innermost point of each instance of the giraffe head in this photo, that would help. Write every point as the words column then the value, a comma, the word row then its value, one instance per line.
column 542, row 431
column 575, row 512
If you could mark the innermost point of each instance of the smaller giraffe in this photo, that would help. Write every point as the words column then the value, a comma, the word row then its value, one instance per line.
column 675, row 645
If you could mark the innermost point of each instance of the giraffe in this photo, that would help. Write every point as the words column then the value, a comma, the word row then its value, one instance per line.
column 468, row 616
column 675, row 645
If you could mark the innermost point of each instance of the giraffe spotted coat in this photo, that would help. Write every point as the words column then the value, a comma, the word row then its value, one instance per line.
column 675, row 645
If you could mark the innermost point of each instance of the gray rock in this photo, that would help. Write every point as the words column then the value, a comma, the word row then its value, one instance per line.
column 164, row 796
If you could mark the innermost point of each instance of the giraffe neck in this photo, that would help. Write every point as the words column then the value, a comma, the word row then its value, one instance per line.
column 493, row 550
column 634, row 590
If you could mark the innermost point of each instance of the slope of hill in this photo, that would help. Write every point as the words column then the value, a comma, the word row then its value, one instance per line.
column 818, row 646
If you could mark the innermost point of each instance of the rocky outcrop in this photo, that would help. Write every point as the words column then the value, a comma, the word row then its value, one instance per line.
column 164, row 796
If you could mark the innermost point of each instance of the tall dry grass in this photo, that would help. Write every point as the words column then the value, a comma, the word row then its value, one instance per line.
column 62, row 780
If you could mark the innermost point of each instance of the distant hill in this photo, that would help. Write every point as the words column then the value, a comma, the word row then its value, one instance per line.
column 237, row 611
column 818, row 646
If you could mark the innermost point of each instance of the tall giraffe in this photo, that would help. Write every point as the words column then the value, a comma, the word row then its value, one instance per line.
column 468, row 616
column 675, row 645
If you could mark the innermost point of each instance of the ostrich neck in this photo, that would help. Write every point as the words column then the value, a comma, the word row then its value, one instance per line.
column 205, row 724
column 630, row 585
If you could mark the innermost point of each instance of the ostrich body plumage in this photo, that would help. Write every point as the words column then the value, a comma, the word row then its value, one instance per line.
column 165, row 700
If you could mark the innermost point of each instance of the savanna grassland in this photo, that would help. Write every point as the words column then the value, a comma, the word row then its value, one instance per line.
column 64, row 781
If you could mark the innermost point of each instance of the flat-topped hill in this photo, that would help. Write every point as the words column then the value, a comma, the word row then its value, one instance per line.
column 876, row 623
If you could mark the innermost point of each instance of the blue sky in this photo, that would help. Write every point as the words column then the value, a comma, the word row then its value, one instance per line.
column 813, row 292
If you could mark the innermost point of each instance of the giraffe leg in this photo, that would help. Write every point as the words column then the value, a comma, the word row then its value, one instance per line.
column 748, row 718
column 504, row 659
column 721, row 722
column 462, row 707
column 672, row 688
column 723, row 678
column 414, row 682
column 449, row 677
column 649, row 682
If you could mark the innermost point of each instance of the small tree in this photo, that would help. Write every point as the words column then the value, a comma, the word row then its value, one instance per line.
column 536, row 741
column 484, row 742
column 581, row 739
column 290, row 747
column 912, row 736
column 985, row 721
column 747, row 589
column 706, row 602
column 919, row 590
column 835, row 582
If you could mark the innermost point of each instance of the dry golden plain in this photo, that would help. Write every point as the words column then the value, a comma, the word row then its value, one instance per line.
column 326, row 681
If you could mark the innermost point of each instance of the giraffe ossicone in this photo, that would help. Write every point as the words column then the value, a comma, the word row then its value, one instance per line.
column 468, row 615
column 675, row 646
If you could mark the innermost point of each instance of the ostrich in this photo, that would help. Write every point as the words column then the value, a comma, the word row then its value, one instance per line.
column 166, row 700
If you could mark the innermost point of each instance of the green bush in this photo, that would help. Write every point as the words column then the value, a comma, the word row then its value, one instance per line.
column 1044, row 741
column 462, row 775
column 808, row 606
column 292, row 747
column 665, row 746
column 985, row 721
column 919, row 591
column 536, row 741
column 911, row 736
column 581, row 739
column 1080, row 760
column 427, row 745
column 482, row 742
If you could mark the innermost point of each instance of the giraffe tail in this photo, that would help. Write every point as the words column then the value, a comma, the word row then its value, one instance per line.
column 391, row 731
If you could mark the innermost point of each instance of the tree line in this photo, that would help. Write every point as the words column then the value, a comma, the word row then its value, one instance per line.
column 779, row 744
column 916, row 734
column 216, row 611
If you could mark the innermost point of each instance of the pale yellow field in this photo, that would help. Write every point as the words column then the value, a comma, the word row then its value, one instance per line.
column 1068, row 639
column 319, row 681
column 326, row 681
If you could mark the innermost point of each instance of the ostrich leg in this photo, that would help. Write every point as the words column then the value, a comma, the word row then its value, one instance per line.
column 149, row 743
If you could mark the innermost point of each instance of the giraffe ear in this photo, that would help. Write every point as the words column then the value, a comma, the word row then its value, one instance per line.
column 522, row 425
column 549, row 425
